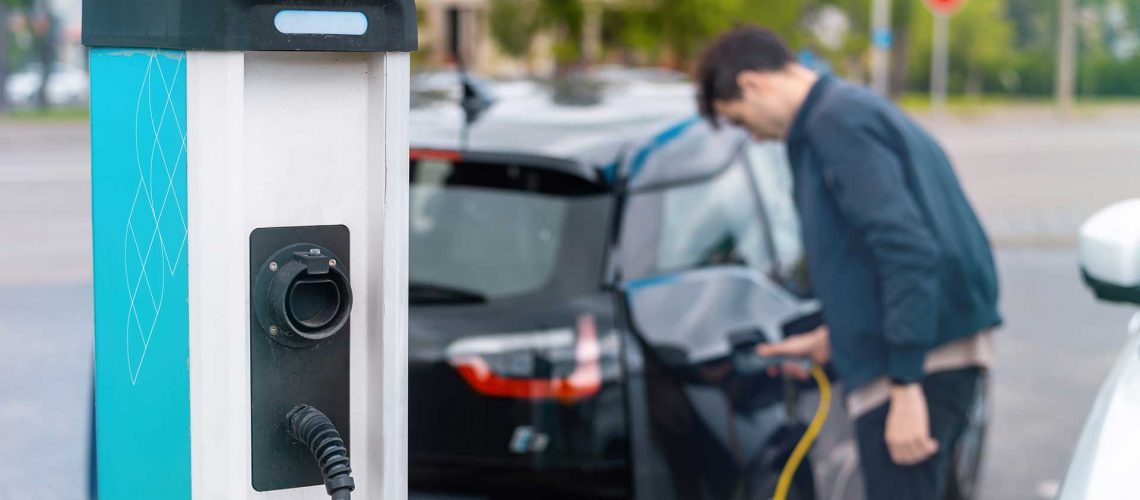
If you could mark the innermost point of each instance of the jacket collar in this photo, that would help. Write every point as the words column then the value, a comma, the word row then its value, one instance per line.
column 799, row 124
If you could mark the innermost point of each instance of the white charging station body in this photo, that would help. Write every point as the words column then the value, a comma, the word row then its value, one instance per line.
column 193, row 150
column 328, row 147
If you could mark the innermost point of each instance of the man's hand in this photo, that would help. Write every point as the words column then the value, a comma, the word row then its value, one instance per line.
column 908, row 426
column 814, row 345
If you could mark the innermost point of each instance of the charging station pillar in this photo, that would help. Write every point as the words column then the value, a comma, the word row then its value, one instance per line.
column 249, row 191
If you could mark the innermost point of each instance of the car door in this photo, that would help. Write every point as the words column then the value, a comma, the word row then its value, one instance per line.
column 700, row 284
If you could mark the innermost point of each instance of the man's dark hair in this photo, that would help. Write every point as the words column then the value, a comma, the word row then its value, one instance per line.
column 746, row 48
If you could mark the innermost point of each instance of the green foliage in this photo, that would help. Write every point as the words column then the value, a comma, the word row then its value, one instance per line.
column 1035, row 69
column 678, row 29
column 981, row 45
column 997, row 46
column 1100, row 73
column 513, row 24
column 1034, row 24
column 564, row 18
column 1104, row 76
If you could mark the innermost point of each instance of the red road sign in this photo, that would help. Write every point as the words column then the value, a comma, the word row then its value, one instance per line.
column 945, row 7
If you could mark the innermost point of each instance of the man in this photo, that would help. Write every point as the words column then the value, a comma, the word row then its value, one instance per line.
column 895, row 253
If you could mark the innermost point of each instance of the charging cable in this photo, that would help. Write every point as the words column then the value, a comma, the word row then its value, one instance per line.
column 314, row 429
column 747, row 361
column 810, row 435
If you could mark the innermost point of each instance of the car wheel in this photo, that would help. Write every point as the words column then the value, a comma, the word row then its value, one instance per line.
column 962, row 478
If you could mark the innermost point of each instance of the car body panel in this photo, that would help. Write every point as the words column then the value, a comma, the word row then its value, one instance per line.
column 692, row 315
column 1105, row 462
column 714, row 425
column 66, row 85
column 471, row 435
column 684, row 152
column 1109, row 249
column 530, row 122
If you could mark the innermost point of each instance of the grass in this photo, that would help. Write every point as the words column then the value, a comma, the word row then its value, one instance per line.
column 958, row 102
column 51, row 115
column 987, row 103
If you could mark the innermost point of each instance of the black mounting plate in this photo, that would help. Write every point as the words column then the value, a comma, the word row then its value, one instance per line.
column 283, row 377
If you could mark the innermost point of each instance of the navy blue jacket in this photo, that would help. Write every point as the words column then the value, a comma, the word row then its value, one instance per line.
column 896, row 254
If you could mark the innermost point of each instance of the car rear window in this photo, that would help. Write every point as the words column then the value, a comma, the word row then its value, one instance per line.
column 486, row 231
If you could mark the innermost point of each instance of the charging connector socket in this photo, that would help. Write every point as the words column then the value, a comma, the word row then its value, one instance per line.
column 302, row 296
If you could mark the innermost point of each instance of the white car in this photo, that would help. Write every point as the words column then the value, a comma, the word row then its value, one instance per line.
column 66, row 86
column 1107, row 458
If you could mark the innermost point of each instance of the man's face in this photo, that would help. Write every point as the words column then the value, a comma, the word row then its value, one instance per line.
column 757, row 110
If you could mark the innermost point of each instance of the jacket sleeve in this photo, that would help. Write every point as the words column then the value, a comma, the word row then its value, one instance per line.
column 867, row 182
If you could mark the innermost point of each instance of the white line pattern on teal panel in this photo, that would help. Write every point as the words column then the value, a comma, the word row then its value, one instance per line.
column 147, row 290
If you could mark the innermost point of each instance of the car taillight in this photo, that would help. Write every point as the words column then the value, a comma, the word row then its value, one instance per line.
column 583, row 380
column 434, row 154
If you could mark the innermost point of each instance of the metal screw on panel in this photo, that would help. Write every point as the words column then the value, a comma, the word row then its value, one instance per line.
column 273, row 266
column 273, row 330
column 332, row 262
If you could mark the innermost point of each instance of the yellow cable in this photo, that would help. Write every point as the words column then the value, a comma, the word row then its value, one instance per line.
column 809, row 436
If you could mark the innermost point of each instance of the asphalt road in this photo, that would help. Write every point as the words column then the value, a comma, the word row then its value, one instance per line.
column 1032, row 176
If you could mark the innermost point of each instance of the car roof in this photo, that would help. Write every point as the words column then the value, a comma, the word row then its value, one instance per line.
column 526, row 120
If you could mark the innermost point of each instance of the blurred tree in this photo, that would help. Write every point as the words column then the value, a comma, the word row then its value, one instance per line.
column 1034, row 47
column 8, row 9
column 981, row 46
column 514, row 24
column 1005, row 46
column 1034, row 23
column 45, row 31
column 564, row 19
column 33, row 28
column 419, row 58
column 903, row 16
column 851, row 57
column 1092, row 42
column 5, row 22
column 1109, row 63
column 674, row 31
column 21, row 43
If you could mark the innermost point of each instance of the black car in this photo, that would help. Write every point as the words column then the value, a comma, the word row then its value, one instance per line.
column 583, row 281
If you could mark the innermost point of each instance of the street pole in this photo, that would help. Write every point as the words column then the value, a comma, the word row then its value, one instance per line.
column 1066, row 57
column 940, row 65
column 881, row 40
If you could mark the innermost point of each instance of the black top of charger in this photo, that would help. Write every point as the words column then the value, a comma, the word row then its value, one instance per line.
column 364, row 25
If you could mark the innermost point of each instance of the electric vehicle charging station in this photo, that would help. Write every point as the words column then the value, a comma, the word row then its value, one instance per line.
column 249, row 192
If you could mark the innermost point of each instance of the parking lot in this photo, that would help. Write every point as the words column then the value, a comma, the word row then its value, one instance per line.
column 1032, row 176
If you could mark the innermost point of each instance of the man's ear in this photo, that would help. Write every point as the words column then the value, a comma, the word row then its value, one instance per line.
column 751, row 81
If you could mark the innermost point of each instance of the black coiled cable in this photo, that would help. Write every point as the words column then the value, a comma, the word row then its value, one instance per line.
column 313, row 429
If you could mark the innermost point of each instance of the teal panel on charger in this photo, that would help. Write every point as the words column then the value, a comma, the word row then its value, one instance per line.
column 142, row 345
